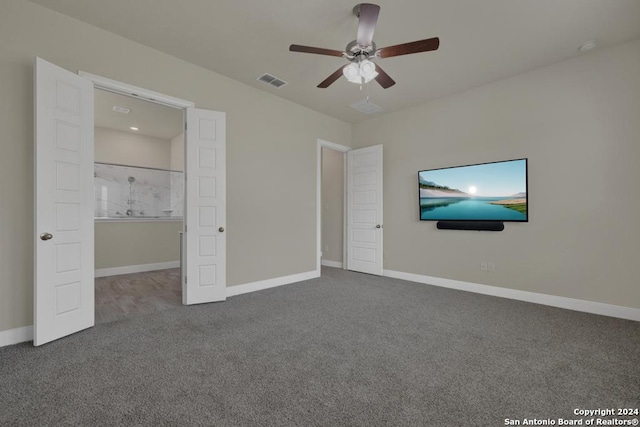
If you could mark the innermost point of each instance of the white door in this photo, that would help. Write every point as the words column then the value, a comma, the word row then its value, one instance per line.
column 205, row 216
column 64, row 265
column 364, row 210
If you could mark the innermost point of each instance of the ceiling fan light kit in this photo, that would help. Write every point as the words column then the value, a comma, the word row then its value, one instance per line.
column 362, row 72
column 359, row 52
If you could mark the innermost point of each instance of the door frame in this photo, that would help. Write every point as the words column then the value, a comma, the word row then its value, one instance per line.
column 343, row 149
column 126, row 89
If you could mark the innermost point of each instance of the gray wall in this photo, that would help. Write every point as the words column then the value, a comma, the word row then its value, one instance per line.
column 136, row 243
column 126, row 148
column 271, row 210
column 177, row 153
column 332, row 204
column 578, row 123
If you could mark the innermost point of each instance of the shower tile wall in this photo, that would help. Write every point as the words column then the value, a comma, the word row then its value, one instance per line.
column 154, row 193
column 176, row 187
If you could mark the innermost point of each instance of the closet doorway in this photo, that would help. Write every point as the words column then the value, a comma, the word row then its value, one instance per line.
column 331, row 203
column 362, row 218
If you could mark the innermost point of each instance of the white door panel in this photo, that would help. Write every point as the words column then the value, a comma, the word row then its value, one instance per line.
column 364, row 210
column 64, row 264
column 205, row 216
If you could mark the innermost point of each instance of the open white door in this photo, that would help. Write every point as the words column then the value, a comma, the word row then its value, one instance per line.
column 64, row 265
column 205, row 216
column 364, row 210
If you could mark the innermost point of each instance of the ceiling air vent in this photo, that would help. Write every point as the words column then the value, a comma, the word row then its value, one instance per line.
column 271, row 80
column 366, row 107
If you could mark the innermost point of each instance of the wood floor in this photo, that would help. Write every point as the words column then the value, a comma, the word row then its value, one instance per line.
column 118, row 297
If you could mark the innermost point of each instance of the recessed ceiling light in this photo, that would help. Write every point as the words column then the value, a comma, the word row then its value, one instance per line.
column 134, row 128
column 122, row 110
column 588, row 45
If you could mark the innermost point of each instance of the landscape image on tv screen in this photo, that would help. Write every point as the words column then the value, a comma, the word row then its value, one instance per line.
column 483, row 192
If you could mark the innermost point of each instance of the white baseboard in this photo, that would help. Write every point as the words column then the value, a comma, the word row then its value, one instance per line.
column 328, row 263
column 271, row 283
column 128, row 269
column 544, row 299
column 16, row 336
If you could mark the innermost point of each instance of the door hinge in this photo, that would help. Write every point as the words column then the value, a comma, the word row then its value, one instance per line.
column 185, row 280
column 185, row 125
column 185, row 228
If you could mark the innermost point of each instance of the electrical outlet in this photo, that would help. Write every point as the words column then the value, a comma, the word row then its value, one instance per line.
column 491, row 266
column 483, row 265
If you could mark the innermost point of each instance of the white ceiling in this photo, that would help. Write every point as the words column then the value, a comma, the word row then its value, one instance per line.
column 480, row 41
column 150, row 118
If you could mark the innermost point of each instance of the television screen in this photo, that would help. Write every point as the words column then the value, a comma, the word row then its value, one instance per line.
column 484, row 192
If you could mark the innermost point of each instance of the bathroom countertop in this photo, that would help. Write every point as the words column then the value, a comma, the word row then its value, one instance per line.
column 136, row 218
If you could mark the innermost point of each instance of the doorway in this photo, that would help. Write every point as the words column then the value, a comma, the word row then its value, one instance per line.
column 65, row 204
column 331, row 204
column 333, row 208
column 139, row 205
column 362, row 219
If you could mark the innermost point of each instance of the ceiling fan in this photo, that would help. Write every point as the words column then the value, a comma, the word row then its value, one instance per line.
column 363, row 48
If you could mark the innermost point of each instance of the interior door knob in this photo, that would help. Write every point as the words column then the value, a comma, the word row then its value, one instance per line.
column 46, row 236
column 221, row 229
column 378, row 226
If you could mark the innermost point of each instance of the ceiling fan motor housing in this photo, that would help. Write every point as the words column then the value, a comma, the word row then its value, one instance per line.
column 354, row 52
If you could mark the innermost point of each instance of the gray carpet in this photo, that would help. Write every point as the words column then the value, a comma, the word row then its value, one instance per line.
column 345, row 349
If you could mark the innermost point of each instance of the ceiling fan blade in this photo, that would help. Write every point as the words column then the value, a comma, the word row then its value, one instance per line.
column 316, row 50
column 383, row 78
column 408, row 48
column 332, row 78
column 367, row 19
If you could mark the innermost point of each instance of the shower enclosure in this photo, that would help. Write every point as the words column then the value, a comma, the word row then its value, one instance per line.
column 132, row 192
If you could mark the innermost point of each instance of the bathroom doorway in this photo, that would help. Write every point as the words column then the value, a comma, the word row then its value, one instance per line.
column 64, row 273
column 139, row 205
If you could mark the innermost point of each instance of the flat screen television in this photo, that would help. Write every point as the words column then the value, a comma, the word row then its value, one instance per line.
column 494, row 191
